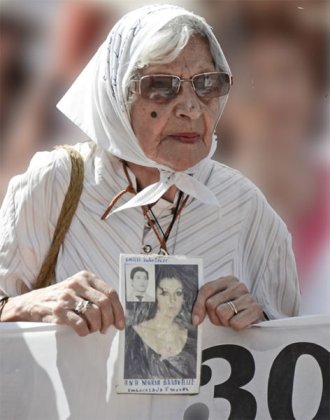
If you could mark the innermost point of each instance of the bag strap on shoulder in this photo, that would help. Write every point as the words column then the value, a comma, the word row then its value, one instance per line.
column 47, row 272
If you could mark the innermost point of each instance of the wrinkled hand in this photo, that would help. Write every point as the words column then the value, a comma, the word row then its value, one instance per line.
column 212, row 300
column 56, row 304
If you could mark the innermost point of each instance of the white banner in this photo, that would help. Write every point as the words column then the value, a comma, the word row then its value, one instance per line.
column 276, row 370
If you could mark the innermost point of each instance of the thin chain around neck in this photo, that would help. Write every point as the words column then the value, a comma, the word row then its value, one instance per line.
column 155, row 226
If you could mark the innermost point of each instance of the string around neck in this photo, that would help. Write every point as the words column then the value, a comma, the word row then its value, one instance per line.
column 145, row 209
column 153, row 223
column 128, row 189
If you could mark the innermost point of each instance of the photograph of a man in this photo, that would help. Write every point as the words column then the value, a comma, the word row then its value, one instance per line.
column 137, row 287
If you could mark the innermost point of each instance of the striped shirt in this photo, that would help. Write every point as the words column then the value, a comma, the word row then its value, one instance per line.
column 244, row 238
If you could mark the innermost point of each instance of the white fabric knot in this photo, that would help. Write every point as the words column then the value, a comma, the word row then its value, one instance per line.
column 184, row 182
column 166, row 176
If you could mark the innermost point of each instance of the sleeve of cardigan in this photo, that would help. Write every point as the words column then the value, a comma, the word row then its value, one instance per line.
column 268, row 260
column 279, row 286
column 28, row 217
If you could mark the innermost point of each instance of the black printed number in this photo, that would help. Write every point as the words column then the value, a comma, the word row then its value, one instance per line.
column 280, row 385
column 242, row 402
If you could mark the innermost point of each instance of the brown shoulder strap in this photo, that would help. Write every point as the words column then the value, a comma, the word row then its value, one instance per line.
column 70, row 204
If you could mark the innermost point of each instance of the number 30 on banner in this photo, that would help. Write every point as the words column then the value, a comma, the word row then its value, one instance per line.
column 280, row 382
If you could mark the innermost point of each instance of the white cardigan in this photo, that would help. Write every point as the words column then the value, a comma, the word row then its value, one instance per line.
column 245, row 238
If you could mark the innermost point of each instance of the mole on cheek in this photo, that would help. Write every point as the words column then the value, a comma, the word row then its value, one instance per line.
column 153, row 114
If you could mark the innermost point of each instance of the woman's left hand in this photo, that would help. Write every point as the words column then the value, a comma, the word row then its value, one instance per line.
column 221, row 299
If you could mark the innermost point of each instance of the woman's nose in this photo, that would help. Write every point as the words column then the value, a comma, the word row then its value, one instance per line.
column 172, row 299
column 188, row 103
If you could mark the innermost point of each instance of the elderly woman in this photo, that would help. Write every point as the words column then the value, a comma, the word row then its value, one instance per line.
column 149, row 100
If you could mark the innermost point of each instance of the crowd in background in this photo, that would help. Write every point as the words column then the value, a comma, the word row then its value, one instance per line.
column 275, row 129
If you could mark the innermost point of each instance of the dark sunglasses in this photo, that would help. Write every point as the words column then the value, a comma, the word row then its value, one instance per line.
column 162, row 86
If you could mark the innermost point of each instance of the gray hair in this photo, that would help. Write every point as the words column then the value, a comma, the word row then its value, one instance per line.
column 166, row 45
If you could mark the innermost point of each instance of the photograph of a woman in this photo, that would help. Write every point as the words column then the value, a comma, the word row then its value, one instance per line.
column 161, row 341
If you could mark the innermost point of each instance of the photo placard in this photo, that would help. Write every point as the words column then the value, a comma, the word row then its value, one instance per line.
column 160, row 349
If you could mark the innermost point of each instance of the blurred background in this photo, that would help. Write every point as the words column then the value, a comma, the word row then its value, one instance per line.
column 275, row 128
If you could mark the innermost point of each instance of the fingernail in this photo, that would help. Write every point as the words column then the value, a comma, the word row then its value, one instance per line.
column 195, row 320
column 121, row 325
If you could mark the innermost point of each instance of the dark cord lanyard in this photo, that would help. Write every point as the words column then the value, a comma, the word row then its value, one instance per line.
column 154, row 224
column 169, row 229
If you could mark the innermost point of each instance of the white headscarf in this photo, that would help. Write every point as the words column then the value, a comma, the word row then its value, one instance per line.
column 97, row 100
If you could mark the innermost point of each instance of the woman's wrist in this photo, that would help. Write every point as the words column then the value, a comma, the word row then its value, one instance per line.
column 10, row 310
column 3, row 302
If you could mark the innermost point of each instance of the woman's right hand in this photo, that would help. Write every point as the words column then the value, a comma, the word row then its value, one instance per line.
column 56, row 304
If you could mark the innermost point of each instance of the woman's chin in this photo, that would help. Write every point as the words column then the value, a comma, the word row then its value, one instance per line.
column 182, row 163
column 180, row 157
column 173, row 313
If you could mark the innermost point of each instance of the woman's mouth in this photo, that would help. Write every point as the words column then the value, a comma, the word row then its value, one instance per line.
column 186, row 137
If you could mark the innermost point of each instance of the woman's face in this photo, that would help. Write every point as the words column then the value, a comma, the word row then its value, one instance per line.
column 169, row 295
column 181, row 134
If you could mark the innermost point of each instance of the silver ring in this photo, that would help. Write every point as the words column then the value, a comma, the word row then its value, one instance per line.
column 232, row 306
column 81, row 306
